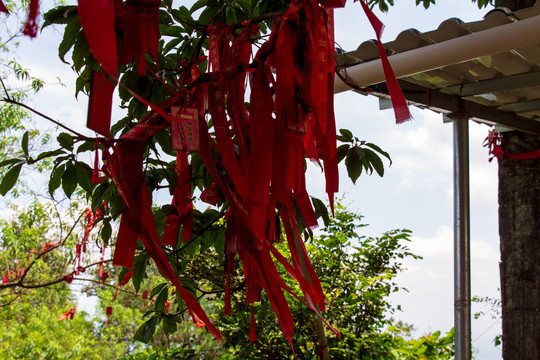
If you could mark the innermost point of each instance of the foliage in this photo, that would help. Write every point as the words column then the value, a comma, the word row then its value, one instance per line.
column 183, row 39
column 199, row 262
column 358, row 273
column 492, row 308
column 33, row 294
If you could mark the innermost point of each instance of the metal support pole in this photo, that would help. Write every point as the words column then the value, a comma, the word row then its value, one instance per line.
column 462, row 260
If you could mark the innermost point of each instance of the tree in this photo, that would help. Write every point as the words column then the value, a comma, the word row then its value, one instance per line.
column 361, row 271
column 38, row 308
column 164, row 74
column 227, row 159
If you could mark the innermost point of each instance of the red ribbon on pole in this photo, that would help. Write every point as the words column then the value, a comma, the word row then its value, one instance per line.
column 494, row 144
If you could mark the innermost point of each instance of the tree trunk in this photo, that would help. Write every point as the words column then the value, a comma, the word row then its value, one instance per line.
column 519, row 228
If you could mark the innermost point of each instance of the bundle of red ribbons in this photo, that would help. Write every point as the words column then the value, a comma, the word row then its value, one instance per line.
column 262, row 152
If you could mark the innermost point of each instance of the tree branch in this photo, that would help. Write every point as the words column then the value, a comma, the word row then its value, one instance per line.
column 57, row 123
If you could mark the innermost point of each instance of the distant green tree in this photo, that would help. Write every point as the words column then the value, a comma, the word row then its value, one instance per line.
column 358, row 274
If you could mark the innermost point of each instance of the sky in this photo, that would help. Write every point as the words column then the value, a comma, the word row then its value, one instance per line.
column 415, row 193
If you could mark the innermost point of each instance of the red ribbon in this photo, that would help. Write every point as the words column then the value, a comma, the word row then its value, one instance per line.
column 67, row 315
column 401, row 110
column 260, row 166
column 31, row 27
column 494, row 144
column 100, row 103
column 137, row 219
column 141, row 33
column 97, row 20
column 3, row 7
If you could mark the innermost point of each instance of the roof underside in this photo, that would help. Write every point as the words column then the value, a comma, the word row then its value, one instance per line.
column 500, row 89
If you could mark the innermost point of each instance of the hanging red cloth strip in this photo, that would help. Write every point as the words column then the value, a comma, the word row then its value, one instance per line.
column 182, row 202
column 96, row 178
column 97, row 20
column 30, row 26
column 100, row 103
column 401, row 110
column 141, row 32
column 330, row 159
column 137, row 218
column 332, row 4
column 3, row 7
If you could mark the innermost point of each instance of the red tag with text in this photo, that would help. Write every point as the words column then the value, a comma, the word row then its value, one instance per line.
column 184, row 129
column 100, row 104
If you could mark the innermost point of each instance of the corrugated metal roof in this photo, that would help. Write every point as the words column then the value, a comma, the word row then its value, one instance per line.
column 503, row 88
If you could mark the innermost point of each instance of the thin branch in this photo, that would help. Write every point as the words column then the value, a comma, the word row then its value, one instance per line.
column 5, row 89
column 45, row 155
column 11, row 101
column 12, row 300
column 263, row 17
column 43, row 253
column 107, row 284
column 202, row 231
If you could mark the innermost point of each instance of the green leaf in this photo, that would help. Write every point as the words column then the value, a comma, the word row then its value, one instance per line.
column 65, row 140
column 139, row 271
column 192, row 248
column 198, row 5
column 84, row 176
column 376, row 161
column 81, row 52
column 69, row 180
column 380, row 151
column 321, row 210
column 342, row 151
column 59, row 15
column 24, row 143
column 346, row 135
column 157, row 289
column 169, row 325
column 172, row 45
column 353, row 164
column 145, row 332
column 97, row 195
column 169, row 209
column 163, row 138
column 106, row 231
column 9, row 179
column 71, row 33
column 86, row 146
column 160, row 300
column 10, row 162
column 56, row 178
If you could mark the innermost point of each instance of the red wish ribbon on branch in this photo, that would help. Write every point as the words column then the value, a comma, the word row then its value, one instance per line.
column 67, row 315
column 30, row 26
column 401, row 110
column 256, row 157
column 3, row 7
column 97, row 20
